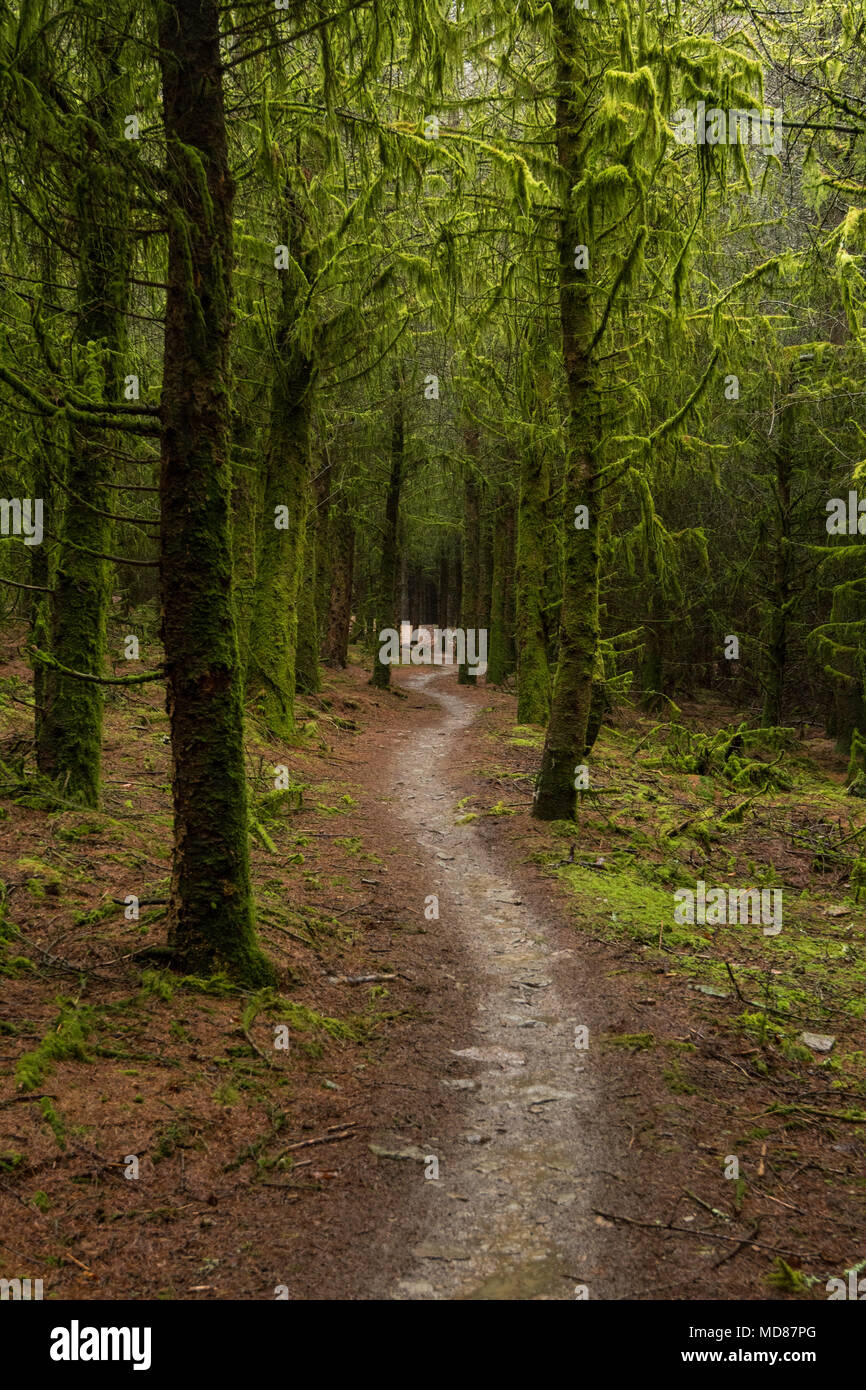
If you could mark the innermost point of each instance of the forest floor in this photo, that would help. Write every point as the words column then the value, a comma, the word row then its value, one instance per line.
column 415, row 1037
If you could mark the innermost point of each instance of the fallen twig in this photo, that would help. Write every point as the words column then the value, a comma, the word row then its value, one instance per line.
column 733, row 980
column 321, row 1139
column 15, row 1100
column 705, row 1235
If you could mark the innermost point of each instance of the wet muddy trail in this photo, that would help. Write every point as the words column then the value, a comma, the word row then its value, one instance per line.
column 510, row 1213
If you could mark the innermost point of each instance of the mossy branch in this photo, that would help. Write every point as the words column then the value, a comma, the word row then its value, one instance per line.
column 47, row 660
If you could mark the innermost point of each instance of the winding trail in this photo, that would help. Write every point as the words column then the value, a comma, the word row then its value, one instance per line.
column 510, row 1212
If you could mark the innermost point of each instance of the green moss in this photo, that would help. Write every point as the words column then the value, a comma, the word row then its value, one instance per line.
column 677, row 1082
column 531, row 561
column 632, row 1042
column 66, row 1041
column 79, row 828
column 219, row 984
column 527, row 736
column 41, row 878
column 54, row 1120
column 789, row 1280
column 96, row 915
column 226, row 1094
column 157, row 984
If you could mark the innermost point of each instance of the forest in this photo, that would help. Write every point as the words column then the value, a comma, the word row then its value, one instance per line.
column 432, row 650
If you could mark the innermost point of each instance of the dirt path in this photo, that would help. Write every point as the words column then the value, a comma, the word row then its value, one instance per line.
column 510, row 1213
column 558, row 1167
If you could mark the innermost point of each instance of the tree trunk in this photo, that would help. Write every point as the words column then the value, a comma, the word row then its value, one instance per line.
column 652, row 672
column 40, row 564
column 386, row 614
column 211, row 920
column 281, row 581
column 565, row 744
column 470, row 595
column 776, row 640
column 485, row 567
column 324, row 558
column 442, row 591
column 336, row 646
column 533, row 671
column 308, row 677
column 455, row 593
column 69, row 731
column 246, row 522
column 501, row 662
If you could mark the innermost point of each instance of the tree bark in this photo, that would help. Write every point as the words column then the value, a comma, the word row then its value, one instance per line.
column 533, row 671
column 776, row 640
column 285, row 505
column 308, row 677
column 471, row 590
column 324, row 558
column 69, row 731
column 386, row 614
column 211, row 918
column 565, row 744
column 336, row 646
column 502, row 658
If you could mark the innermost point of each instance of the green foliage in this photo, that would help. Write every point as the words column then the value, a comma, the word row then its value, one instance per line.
column 726, row 754
column 68, row 1039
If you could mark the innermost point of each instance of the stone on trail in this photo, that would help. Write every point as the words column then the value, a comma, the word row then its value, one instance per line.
column 398, row 1151
column 492, row 1054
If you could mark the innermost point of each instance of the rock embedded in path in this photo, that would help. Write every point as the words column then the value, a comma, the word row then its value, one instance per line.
column 410, row 1151
column 543, row 1095
column 415, row 1288
column 492, row 1054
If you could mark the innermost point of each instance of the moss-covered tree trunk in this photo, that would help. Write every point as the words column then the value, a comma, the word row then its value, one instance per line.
column 455, row 594
column 652, row 672
column 336, row 644
column 442, row 590
column 471, row 589
column 533, row 671
column 387, row 615
column 285, row 505
column 846, row 667
column 40, row 606
column 47, row 460
column 246, row 521
column 779, row 597
column 485, row 565
column 211, row 918
column 69, row 725
column 502, row 657
column 324, row 558
column 565, row 743
column 308, row 676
